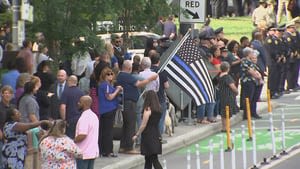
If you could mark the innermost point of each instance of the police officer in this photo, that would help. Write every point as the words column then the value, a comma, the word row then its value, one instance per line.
column 272, row 45
column 207, row 40
column 283, row 51
column 291, row 39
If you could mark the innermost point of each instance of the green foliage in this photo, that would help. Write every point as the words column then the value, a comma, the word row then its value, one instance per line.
column 5, row 17
column 64, row 21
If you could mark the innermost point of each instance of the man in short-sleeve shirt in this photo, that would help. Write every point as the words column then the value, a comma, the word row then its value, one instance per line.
column 131, row 95
column 69, row 105
column 87, row 133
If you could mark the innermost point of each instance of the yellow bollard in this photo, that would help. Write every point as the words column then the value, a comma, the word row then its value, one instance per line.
column 229, row 146
column 269, row 101
column 249, row 119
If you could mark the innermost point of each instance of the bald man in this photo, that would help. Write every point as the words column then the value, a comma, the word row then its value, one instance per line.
column 69, row 105
column 87, row 133
column 57, row 89
column 131, row 94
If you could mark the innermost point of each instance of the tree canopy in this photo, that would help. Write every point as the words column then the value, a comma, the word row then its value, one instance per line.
column 64, row 21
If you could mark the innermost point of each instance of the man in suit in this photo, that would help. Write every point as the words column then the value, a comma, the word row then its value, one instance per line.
column 119, row 50
column 57, row 89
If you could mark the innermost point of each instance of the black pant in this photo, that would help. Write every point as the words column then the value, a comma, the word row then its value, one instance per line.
column 152, row 160
column 292, row 76
column 274, row 77
column 106, row 127
column 283, row 76
column 71, row 128
column 129, row 120
column 249, row 91
column 216, row 8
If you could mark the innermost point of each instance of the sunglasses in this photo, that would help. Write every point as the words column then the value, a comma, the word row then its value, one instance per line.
column 118, row 41
column 109, row 74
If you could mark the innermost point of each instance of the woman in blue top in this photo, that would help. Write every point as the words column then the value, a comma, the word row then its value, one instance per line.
column 108, row 104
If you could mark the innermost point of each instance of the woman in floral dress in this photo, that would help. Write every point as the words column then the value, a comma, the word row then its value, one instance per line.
column 58, row 151
column 15, row 148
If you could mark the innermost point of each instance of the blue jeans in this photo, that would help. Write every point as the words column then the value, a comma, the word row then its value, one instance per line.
column 161, row 124
column 139, row 111
column 208, row 108
column 85, row 164
column 1, row 158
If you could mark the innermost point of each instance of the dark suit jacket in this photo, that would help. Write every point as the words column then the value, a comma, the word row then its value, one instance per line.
column 55, row 101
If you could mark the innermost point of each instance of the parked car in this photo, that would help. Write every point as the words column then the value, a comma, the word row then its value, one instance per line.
column 137, row 41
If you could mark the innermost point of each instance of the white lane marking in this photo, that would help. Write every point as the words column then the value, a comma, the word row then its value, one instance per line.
column 297, row 98
column 288, row 128
column 279, row 113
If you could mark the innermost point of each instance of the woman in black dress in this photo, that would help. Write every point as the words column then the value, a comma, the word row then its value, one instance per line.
column 228, row 92
column 150, row 138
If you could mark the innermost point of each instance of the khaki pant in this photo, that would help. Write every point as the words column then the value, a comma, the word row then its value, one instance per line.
column 282, row 5
column 32, row 161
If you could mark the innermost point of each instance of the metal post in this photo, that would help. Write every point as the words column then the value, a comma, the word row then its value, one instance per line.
column 244, row 148
column 188, row 158
column 165, row 164
column 229, row 144
column 254, row 146
column 222, row 152
column 198, row 157
column 211, row 155
column 233, row 165
column 15, row 19
column 190, row 114
column 249, row 119
column 273, row 137
column 283, row 133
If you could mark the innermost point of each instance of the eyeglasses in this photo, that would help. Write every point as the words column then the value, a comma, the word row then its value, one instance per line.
column 118, row 41
column 109, row 74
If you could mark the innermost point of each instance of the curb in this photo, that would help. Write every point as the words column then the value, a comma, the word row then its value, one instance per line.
column 185, row 139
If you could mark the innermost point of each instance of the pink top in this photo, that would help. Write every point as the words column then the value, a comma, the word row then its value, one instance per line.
column 88, row 124
column 58, row 153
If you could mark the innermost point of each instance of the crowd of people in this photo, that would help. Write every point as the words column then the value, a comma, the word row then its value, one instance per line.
column 67, row 118
column 271, row 53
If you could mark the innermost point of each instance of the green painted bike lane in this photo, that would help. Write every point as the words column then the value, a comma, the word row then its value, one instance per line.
column 263, row 141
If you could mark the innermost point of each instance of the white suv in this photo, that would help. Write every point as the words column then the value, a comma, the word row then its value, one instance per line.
column 137, row 41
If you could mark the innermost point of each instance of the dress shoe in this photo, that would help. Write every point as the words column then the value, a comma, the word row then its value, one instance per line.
column 109, row 155
column 256, row 116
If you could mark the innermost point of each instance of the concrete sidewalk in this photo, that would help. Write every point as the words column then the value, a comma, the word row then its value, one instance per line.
column 183, row 136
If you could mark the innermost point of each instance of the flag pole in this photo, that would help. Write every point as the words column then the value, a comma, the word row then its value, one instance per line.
column 174, row 51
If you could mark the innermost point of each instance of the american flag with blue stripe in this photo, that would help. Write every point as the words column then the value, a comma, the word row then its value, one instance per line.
column 188, row 70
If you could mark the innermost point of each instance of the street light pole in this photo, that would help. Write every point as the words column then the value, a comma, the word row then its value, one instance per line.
column 15, row 19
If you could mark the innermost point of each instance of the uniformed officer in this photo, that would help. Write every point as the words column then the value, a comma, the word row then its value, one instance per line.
column 297, row 24
column 272, row 45
column 207, row 40
column 283, row 50
column 290, row 37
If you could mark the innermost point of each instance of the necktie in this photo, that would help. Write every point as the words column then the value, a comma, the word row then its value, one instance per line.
column 60, row 90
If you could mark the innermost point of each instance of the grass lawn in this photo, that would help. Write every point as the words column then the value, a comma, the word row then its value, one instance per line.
column 234, row 27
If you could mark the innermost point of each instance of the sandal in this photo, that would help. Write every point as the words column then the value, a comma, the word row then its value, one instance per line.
column 203, row 121
column 212, row 121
